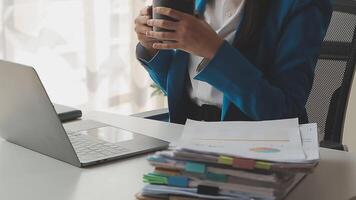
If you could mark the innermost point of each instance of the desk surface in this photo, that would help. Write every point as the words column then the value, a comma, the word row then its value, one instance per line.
column 28, row 175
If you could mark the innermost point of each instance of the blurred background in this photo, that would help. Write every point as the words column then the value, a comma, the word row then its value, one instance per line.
column 83, row 51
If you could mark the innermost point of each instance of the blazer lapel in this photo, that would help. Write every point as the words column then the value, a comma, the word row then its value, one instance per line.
column 200, row 6
column 177, row 78
column 176, row 83
column 226, row 102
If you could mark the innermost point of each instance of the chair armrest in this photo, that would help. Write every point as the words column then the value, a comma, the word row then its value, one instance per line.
column 159, row 115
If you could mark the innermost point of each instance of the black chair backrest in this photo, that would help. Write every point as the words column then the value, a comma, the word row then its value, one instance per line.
column 334, row 72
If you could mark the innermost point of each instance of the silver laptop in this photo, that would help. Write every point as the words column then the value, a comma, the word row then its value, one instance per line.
column 28, row 119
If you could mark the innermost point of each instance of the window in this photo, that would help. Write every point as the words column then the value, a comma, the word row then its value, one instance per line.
column 83, row 51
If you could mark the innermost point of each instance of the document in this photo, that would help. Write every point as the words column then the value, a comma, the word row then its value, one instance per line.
column 309, row 134
column 277, row 140
column 235, row 160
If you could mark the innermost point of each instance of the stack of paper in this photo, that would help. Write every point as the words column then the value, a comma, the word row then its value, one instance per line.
column 234, row 160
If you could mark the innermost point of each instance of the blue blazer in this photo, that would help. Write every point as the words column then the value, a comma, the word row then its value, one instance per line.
column 272, row 81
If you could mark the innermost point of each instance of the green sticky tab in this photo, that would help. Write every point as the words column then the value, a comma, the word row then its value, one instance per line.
column 217, row 177
column 195, row 167
column 225, row 160
column 263, row 165
column 155, row 179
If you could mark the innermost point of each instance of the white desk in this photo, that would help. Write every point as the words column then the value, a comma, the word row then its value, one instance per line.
column 31, row 176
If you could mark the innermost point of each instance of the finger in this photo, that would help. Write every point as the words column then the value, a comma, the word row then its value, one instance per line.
column 169, row 12
column 147, row 11
column 142, row 20
column 162, row 35
column 142, row 29
column 144, row 38
column 160, row 23
column 163, row 46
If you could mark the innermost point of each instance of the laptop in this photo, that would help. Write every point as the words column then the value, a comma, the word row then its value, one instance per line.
column 28, row 118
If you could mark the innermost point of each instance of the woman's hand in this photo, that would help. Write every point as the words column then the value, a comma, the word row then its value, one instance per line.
column 190, row 34
column 141, row 28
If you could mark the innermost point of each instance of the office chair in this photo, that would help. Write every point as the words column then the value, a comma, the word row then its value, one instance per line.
column 328, row 100
column 334, row 72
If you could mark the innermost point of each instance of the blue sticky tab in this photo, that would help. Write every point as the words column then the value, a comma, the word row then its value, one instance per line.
column 157, row 159
column 216, row 177
column 195, row 167
column 178, row 181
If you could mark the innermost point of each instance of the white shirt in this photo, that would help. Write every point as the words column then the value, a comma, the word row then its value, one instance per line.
column 224, row 16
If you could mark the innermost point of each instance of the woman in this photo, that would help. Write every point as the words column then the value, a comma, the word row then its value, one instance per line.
column 240, row 60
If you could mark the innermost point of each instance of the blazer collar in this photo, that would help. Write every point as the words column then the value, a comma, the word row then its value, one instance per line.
column 200, row 6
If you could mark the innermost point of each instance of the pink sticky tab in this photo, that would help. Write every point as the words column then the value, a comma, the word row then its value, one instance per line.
column 244, row 163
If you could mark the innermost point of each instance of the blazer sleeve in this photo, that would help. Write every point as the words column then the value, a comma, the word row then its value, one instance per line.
column 157, row 66
column 283, row 92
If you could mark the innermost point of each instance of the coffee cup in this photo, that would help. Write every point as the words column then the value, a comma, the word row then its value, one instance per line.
column 186, row 6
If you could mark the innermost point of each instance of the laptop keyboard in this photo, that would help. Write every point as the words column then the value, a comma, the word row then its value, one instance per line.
column 89, row 149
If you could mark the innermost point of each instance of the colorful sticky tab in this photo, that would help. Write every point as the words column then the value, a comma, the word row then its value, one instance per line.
column 216, row 177
column 194, row 167
column 244, row 163
column 208, row 190
column 156, row 158
column 178, row 181
column 155, row 179
column 263, row 165
column 166, row 172
column 225, row 160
